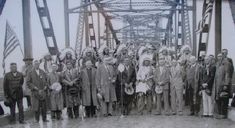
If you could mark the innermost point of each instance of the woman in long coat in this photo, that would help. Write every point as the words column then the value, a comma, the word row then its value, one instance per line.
column 89, row 89
column 56, row 96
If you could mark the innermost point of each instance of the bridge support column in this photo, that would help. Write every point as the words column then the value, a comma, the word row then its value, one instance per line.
column 218, row 26
column 28, row 55
column 66, row 23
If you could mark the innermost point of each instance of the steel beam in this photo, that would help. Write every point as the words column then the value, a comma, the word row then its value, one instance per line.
column 28, row 54
column 189, row 8
column 66, row 23
column 194, row 27
column 218, row 26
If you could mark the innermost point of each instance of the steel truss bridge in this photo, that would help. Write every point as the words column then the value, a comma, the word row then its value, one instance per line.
column 111, row 22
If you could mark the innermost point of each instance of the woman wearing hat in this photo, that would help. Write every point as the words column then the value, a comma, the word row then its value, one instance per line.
column 144, row 85
column 56, row 97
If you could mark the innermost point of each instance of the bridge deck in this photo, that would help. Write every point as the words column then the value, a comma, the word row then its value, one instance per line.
column 132, row 121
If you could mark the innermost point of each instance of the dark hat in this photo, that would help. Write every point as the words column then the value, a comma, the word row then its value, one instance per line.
column 8, row 102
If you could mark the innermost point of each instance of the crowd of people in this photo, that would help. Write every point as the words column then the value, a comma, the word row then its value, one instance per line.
column 129, row 80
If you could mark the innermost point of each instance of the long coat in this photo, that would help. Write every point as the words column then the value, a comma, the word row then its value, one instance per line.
column 88, row 87
column 71, row 100
column 221, row 79
column 56, row 98
column 104, row 82
column 37, row 83
column 13, row 85
column 163, row 76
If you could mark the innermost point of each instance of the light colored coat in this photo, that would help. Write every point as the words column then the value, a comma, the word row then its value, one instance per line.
column 104, row 83
column 88, row 88
column 56, row 98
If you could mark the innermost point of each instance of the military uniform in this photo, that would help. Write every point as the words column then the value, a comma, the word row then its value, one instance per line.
column 13, row 91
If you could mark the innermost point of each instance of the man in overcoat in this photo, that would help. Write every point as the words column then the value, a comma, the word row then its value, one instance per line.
column 89, row 89
column 105, row 80
column 37, row 82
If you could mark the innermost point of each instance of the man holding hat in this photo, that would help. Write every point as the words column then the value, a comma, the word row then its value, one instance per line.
column 37, row 82
column 13, row 91
column 127, row 78
column 70, row 80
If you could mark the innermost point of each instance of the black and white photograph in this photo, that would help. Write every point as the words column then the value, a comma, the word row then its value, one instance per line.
column 117, row 63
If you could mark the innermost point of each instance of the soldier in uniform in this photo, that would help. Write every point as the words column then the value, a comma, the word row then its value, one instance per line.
column 70, row 79
column 13, row 91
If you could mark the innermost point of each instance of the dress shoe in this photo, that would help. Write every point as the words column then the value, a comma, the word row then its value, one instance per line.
column 45, row 121
column 22, row 122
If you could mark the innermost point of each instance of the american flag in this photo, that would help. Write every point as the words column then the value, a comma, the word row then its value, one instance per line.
column 10, row 44
column 2, row 3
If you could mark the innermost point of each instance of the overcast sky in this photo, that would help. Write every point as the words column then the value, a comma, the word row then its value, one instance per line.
column 13, row 13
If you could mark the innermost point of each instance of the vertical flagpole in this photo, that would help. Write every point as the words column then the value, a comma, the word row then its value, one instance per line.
column 3, row 60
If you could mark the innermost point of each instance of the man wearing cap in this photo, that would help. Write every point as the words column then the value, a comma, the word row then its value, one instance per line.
column 13, row 91
column 105, row 80
column 37, row 82
column 89, row 89
column 70, row 80
column 55, row 93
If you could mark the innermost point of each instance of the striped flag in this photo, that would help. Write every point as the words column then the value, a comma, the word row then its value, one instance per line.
column 2, row 3
column 10, row 44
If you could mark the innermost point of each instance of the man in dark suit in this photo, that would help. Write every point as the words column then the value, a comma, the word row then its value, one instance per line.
column 127, row 78
column 37, row 82
column 13, row 91
column 206, row 81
